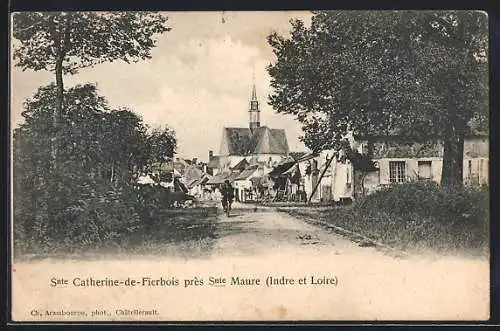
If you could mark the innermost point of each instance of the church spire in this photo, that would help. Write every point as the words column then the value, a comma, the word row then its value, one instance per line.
column 254, row 110
column 254, row 92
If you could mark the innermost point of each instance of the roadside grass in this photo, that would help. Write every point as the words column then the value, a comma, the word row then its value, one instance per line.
column 184, row 232
column 415, row 217
column 188, row 228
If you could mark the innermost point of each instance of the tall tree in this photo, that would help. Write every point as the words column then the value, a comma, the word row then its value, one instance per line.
column 453, row 64
column 161, row 145
column 125, row 144
column 63, row 43
column 383, row 73
column 103, row 150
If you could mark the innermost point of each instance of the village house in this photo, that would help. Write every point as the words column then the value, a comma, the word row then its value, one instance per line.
column 195, row 180
column 316, row 176
column 180, row 174
column 397, row 162
column 257, row 161
column 245, row 183
column 286, row 178
column 328, row 177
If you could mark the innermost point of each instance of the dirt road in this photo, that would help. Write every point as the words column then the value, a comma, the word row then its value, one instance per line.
column 262, row 231
column 319, row 276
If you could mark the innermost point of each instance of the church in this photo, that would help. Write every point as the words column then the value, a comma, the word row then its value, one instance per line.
column 255, row 144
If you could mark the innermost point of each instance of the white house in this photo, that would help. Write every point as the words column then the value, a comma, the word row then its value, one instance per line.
column 398, row 163
column 243, row 183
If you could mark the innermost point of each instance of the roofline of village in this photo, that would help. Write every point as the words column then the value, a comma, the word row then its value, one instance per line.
column 409, row 138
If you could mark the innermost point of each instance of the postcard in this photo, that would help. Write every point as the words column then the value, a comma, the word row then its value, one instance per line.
column 250, row 166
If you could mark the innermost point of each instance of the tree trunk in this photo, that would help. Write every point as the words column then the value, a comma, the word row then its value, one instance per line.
column 363, row 176
column 56, row 121
column 112, row 171
column 369, row 149
column 62, row 42
column 453, row 151
column 57, row 114
column 357, row 189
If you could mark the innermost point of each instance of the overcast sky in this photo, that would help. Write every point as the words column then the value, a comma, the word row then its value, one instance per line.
column 198, row 81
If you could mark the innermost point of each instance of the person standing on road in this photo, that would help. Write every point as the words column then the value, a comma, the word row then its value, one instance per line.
column 227, row 192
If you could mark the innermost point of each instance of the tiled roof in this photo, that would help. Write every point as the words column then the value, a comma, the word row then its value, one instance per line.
column 192, row 172
column 193, row 176
column 192, row 183
column 292, row 170
column 241, row 165
column 237, row 140
column 263, row 140
column 247, row 172
column 281, row 168
column 286, row 160
column 195, row 181
column 219, row 178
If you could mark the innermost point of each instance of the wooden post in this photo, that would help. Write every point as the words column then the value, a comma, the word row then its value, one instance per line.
column 328, row 162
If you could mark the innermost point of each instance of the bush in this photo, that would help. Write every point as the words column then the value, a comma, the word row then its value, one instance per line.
column 104, row 220
column 83, row 198
column 417, row 215
column 82, row 216
column 427, row 214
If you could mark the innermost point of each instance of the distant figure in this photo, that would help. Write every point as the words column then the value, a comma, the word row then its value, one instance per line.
column 227, row 192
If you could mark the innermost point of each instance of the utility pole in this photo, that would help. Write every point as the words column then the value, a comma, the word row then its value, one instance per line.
column 328, row 162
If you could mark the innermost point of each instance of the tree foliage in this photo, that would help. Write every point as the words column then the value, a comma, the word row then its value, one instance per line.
column 162, row 144
column 75, row 158
column 91, row 199
column 420, row 75
column 63, row 43
column 84, row 39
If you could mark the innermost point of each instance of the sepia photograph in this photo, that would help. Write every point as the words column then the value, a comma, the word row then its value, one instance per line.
column 250, row 166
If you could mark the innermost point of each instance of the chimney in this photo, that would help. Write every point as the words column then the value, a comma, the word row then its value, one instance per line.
column 195, row 160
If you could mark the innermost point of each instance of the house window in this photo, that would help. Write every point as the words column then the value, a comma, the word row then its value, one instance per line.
column 348, row 177
column 470, row 167
column 424, row 170
column 397, row 171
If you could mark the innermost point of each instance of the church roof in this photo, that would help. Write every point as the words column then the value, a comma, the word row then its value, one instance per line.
column 263, row 140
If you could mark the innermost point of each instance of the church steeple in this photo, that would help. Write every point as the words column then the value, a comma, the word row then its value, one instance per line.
column 254, row 110
column 254, row 92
